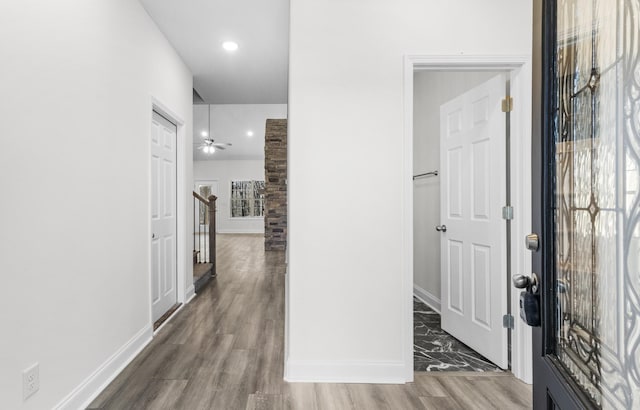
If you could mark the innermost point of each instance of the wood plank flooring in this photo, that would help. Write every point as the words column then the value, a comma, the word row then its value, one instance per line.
column 224, row 350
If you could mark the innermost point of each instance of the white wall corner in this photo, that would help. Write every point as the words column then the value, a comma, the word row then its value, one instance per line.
column 287, row 302
column 407, row 219
column 427, row 298
column 91, row 387
column 308, row 371
column 521, row 361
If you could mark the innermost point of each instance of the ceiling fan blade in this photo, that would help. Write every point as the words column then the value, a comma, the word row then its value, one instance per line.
column 217, row 147
column 222, row 144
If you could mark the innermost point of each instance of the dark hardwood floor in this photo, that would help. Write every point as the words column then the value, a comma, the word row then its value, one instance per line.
column 224, row 350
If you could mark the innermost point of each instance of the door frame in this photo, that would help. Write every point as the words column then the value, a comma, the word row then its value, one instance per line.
column 185, row 291
column 520, row 70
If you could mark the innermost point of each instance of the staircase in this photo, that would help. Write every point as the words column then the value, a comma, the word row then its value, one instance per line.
column 204, row 240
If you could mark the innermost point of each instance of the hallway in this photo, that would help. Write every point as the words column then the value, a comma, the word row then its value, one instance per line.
column 225, row 350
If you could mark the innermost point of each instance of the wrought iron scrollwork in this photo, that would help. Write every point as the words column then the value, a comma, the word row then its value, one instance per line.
column 597, row 207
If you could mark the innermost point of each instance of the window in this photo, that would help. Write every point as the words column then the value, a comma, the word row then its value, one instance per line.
column 247, row 199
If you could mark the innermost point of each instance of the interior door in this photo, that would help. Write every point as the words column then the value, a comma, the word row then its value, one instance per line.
column 586, row 203
column 473, row 242
column 163, row 215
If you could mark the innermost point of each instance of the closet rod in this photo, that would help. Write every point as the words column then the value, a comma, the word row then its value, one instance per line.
column 426, row 174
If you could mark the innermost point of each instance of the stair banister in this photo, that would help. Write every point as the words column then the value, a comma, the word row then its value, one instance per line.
column 212, row 232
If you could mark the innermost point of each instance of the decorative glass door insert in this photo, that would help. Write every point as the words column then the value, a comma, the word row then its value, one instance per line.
column 597, row 201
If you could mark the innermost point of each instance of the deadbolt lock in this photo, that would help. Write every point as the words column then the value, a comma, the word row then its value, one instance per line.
column 532, row 242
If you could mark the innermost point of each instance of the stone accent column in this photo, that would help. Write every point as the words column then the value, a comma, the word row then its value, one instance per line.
column 275, row 172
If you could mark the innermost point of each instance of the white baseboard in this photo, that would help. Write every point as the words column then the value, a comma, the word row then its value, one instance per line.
column 169, row 319
column 89, row 389
column 427, row 298
column 254, row 231
column 190, row 294
column 345, row 372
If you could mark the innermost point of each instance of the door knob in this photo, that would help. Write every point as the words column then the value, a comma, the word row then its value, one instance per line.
column 526, row 282
column 520, row 281
column 441, row 228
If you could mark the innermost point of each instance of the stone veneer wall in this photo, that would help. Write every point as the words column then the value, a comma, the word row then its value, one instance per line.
column 275, row 172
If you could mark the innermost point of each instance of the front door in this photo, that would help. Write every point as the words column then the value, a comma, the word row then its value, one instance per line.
column 586, row 203
column 163, row 215
column 473, row 245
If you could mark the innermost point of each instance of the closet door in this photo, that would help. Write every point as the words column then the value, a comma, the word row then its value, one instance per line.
column 163, row 216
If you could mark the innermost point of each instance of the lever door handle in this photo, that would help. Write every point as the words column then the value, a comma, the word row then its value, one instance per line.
column 441, row 228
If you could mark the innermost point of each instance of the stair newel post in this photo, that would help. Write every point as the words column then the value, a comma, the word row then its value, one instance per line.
column 212, row 233
column 195, row 232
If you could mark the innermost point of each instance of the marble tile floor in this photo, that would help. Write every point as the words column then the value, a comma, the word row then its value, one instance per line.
column 435, row 350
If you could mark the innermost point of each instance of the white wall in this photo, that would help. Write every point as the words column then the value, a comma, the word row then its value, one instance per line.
column 224, row 172
column 346, row 286
column 431, row 90
column 77, row 79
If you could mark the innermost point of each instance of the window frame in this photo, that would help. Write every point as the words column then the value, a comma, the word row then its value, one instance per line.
column 260, row 198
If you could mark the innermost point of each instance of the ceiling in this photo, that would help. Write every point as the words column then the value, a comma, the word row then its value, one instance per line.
column 256, row 73
column 230, row 123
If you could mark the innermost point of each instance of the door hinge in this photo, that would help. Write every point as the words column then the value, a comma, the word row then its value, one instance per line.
column 507, row 321
column 507, row 104
column 507, row 213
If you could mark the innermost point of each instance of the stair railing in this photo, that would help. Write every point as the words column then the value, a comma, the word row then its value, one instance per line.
column 204, row 230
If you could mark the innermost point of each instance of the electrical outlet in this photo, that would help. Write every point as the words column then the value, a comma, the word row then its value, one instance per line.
column 30, row 381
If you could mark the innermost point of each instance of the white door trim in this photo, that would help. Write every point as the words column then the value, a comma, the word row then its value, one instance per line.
column 184, row 270
column 520, row 70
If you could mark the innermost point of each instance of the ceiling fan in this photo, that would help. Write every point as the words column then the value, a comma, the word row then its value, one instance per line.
column 209, row 145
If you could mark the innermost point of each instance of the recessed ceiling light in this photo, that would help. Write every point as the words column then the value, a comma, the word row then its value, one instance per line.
column 249, row 133
column 204, row 133
column 230, row 45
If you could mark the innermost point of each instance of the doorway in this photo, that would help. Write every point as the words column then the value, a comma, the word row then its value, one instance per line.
column 422, row 158
column 460, row 135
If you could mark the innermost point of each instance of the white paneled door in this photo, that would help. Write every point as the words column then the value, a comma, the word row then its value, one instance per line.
column 473, row 241
column 163, row 215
